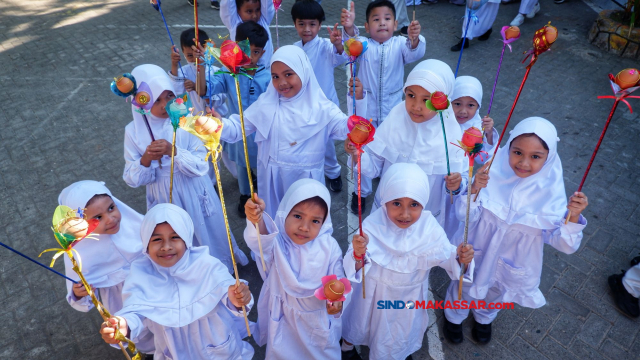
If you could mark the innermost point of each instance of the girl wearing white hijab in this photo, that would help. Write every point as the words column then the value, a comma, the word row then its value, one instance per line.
column 107, row 261
column 183, row 295
column 292, row 321
column 522, row 208
column 400, row 262
column 413, row 134
column 466, row 104
column 292, row 128
column 192, row 188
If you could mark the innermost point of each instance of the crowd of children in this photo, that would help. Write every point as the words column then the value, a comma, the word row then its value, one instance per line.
column 166, row 276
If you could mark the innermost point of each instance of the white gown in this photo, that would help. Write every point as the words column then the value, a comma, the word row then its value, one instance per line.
column 231, row 19
column 486, row 16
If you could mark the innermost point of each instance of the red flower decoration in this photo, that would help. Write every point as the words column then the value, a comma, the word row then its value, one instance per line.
column 232, row 56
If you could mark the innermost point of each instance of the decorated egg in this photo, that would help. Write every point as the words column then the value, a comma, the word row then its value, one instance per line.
column 627, row 78
column 355, row 48
column 142, row 98
column 471, row 137
column 439, row 100
column 334, row 290
column 550, row 33
column 76, row 227
column 512, row 32
column 205, row 125
column 360, row 134
column 124, row 84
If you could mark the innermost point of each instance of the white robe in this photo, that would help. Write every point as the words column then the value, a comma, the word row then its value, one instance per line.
column 486, row 16
column 231, row 19
column 631, row 281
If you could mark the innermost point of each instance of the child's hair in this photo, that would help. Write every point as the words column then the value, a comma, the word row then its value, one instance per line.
column 317, row 201
column 380, row 3
column 239, row 3
column 544, row 144
column 307, row 10
column 253, row 31
column 187, row 36
column 95, row 198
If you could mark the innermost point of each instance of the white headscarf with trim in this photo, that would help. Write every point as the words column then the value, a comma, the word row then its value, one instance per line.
column 469, row 86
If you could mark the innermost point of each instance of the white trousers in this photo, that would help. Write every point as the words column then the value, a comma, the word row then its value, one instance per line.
column 631, row 281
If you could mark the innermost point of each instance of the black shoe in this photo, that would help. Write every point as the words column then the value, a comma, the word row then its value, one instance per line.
column 409, row 357
column 351, row 354
column 335, row 185
column 354, row 203
column 481, row 333
column 215, row 5
column 458, row 46
column 486, row 35
column 148, row 357
column 635, row 261
column 404, row 31
column 243, row 200
column 624, row 301
column 452, row 332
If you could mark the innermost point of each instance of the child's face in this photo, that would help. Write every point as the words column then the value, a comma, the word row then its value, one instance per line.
column 104, row 210
column 256, row 54
column 166, row 247
column 158, row 108
column 285, row 80
column 465, row 108
column 188, row 54
column 415, row 104
column 527, row 155
column 403, row 212
column 250, row 11
column 304, row 222
column 381, row 24
column 307, row 29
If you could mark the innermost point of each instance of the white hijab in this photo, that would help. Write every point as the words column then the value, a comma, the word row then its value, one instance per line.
column 183, row 293
column 421, row 246
column 157, row 81
column 298, row 118
column 105, row 262
column 301, row 267
column 399, row 139
column 538, row 201
column 469, row 86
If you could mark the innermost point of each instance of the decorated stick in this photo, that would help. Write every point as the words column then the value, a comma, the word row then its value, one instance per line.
column 195, row 16
column 623, row 84
column 464, row 39
column 472, row 7
column 176, row 109
column 509, row 35
column 354, row 48
column 439, row 102
column 156, row 5
column 208, row 129
column 69, row 228
column 542, row 40
column 333, row 289
column 37, row 262
column 414, row 10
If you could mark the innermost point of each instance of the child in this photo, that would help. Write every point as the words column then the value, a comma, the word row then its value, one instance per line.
column 106, row 262
column 298, row 251
column 324, row 55
column 235, row 12
column 192, row 188
column 250, row 89
column 412, row 133
column 184, row 296
column 523, row 207
column 404, row 241
column 480, row 28
column 293, row 121
column 184, row 79
column 467, row 99
column 381, row 67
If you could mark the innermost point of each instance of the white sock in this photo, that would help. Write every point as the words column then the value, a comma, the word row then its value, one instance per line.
column 345, row 347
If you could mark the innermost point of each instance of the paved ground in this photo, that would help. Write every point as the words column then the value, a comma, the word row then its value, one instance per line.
column 61, row 124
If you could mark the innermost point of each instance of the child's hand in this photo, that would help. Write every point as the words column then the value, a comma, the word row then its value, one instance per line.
column 336, row 38
column 198, row 52
column 79, row 290
column 161, row 146
column 360, row 244
column 189, row 85
column 175, row 56
column 465, row 253
column 359, row 89
column 253, row 208
column 487, row 127
column 413, row 33
column 577, row 203
column 212, row 112
column 108, row 329
column 350, row 148
column 239, row 295
column 481, row 179
column 453, row 181
column 347, row 18
column 334, row 307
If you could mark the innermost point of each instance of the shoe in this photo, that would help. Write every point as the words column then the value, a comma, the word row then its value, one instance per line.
column 403, row 31
column 335, row 185
column 452, row 332
column 624, row 301
column 243, row 200
column 351, row 354
column 481, row 333
column 190, row 2
column 354, row 203
column 486, row 35
column 458, row 46
column 409, row 357
column 148, row 357
column 215, row 5
column 518, row 20
column 533, row 12
column 635, row 261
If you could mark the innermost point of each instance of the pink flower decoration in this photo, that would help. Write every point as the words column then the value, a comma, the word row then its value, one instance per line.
column 319, row 293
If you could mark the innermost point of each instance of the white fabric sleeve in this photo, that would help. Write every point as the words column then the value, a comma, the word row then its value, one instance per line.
column 410, row 55
column 361, row 105
column 135, row 324
column 453, row 267
column 251, row 238
column 371, row 164
column 229, row 15
column 232, row 130
column 135, row 174
column 191, row 161
column 461, row 207
column 565, row 237
column 349, row 265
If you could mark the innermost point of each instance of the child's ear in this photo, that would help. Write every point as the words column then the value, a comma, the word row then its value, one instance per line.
column 366, row 27
column 395, row 25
